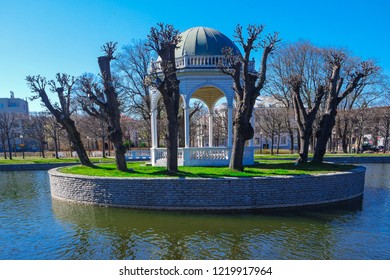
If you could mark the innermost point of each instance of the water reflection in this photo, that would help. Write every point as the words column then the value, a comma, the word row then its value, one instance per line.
column 33, row 226
column 135, row 234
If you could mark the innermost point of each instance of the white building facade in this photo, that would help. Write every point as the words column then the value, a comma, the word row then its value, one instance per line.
column 13, row 105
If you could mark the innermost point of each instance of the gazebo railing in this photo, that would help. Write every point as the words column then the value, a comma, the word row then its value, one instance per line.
column 137, row 155
column 196, row 61
column 194, row 156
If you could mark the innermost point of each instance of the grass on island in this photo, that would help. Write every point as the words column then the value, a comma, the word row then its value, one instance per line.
column 260, row 169
column 30, row 160
column 295, row 156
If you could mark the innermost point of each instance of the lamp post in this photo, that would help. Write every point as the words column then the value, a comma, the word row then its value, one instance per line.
column 22, row 145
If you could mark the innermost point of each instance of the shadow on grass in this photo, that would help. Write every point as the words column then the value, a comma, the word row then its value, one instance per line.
column 325, row 167
column 259, row 169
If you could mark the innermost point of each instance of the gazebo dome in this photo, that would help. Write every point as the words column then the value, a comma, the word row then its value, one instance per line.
column 203, row 41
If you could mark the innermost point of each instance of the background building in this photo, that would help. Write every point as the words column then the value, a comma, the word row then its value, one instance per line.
column 13, row 105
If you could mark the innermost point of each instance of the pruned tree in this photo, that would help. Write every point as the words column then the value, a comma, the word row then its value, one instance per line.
column 296, row 79
column 63, row 86
column 247, row 85
column 304, row 116
column 164, row 39
column 106, row 98
column 340, row 68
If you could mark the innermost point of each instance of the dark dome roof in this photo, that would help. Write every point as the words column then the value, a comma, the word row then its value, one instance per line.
column 203, row 41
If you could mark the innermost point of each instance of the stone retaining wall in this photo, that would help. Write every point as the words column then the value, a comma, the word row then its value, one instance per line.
column 209, row 194
column 33, row 166
column 359, row 159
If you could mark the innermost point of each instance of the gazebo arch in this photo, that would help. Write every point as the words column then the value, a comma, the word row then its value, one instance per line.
column 197, row 59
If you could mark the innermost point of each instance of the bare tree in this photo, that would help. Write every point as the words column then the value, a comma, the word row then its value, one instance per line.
column 164, row 39
column 52, row 129
column 370, row 89
column 271, row 122
column 220, row 126
column 385, row 126
column 95, row 128
column 340, row 68
column 132, row 67
column 296, row 79
column 247, row 85
column 63, row 87
column 106, row 98
column 304, row 117
column 8, row 125
column 36, row 129
column 3, row 139
column 198, row 106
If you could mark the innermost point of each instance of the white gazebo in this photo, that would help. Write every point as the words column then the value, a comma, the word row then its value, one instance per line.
column 197, row 57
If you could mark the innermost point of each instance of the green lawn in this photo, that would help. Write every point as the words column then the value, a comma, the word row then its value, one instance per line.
column 295, row 156
column 269, row 168
column 29, row 160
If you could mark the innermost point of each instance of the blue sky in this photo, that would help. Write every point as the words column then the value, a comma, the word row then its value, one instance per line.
column 49, row 36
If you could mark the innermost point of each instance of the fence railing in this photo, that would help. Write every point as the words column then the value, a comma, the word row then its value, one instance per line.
column 197, row 61
column 209, row 156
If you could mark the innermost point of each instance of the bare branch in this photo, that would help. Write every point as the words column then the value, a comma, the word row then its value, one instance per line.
column 109, row 49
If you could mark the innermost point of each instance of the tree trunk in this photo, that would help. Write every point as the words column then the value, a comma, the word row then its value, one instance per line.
column 387, row 134
column 172, row 143
column 42, row 149
column 113, row 112
column 103, row 147
column 323, row 134
column 350, row 143
column 298, row 142
column 344, row 143
column 236, row 160
column 303, row 149
column 9, row 146
column 291, row 142
column 243, row 131
column 120, row 150
column 344, row 136
column 171, row 96
column 56, row 147
column 4, row 149
column 76, row 143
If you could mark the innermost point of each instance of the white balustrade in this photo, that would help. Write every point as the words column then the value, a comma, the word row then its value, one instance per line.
column 209, row 156
column 196, row 61
column 137, row 154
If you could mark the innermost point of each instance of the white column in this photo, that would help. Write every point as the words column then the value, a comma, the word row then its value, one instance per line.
column 187, row 126
column 230, row 127
column 153, row 124
column 211, row 129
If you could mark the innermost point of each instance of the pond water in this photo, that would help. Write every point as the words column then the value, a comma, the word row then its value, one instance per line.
column 33, row 226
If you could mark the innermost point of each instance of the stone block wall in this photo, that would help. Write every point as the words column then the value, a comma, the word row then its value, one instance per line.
column 209, row 194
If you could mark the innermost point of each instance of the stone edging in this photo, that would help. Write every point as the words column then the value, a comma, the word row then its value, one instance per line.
column 33, row 166
column 209, row 194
